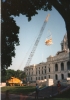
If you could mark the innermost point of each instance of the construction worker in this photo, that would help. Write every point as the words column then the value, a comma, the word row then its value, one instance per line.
column 37, row 91
column 58, row 86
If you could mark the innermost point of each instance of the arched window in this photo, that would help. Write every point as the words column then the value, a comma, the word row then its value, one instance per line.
column 68, row 65
column 56, row 67
column 62, row 76
column 44, row 77
column 68, row 74
column 62, row 66
column 56, row 76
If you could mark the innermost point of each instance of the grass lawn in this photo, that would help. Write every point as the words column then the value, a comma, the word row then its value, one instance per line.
column 29, row 89
column 18, row 89
column 59, row 99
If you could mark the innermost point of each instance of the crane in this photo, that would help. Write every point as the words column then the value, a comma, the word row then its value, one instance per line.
column 36, row 42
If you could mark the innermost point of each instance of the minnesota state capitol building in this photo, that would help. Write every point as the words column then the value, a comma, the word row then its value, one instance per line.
column 56, row 67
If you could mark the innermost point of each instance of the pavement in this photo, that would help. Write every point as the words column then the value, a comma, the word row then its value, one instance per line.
column 18, row 97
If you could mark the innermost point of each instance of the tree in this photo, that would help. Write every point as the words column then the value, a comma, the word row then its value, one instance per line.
column 20, row 74
column 10, row 30
column 9, row 73
column 12, row 73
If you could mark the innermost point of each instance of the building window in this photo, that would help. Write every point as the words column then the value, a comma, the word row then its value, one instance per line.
column 62, row 66
column 49, row 76
column 45, row 71
column 68, row 65
column 62, row 76
column 39, row 71
column 56, row 77
column 28, row 79
column 41, row 78
column 49, row 69
column 36, row 72
column 68, row 74
column 44, row 77
column 36, row 78
column 42, row 71
column 56, row 67
column 31, row 78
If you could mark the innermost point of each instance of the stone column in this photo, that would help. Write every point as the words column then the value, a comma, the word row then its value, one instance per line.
column 65, row 69
column 59, row 67
column 53, row 68
column 34, row 73
column 59, row 76
column 65, row 66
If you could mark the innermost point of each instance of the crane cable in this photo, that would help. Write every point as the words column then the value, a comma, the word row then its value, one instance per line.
column 48, row 40
column 28, row 51
column 37, row 41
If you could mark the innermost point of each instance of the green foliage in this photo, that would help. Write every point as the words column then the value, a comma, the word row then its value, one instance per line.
column 9, row 37
column 18, row 89
column 12, row 73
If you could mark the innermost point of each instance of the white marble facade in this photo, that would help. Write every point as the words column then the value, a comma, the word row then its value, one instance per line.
column 56, row 67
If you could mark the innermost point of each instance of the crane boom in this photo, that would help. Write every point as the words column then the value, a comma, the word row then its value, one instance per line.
column 37, row 41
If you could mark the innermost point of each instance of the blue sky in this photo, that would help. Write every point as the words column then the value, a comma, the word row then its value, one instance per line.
column 29, row 32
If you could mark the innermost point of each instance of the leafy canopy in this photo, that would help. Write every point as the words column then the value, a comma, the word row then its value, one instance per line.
column 10, row 30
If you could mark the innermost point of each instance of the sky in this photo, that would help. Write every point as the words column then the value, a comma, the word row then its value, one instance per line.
column 28, row 33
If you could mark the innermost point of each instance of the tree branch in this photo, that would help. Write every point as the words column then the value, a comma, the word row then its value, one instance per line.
column 58, row 7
